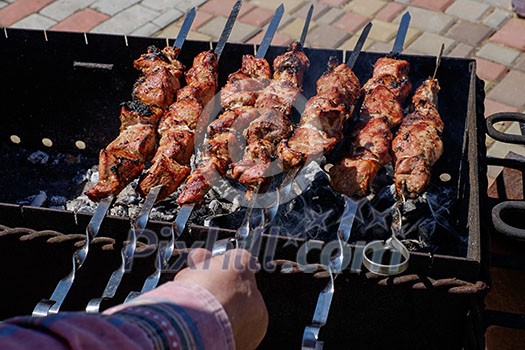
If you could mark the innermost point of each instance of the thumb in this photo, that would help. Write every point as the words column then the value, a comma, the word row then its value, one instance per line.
column 197, row 256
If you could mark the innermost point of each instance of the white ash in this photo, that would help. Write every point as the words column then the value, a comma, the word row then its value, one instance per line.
column 38, row 157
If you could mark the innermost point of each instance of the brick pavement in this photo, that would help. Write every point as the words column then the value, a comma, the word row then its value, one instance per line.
column 486, row 30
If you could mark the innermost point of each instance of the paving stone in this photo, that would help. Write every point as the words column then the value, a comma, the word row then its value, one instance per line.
column 492, row 107
column 510, row 90
column 64, row 8
column 428, row 21
column 350, row 43
column 186, row 5
column 159, row 5
column 218, row 7
column 113, row 7
column 335, row 3
column 520, row 64
column 496, row 18
column 170, row 31
column 245, row 8
column 468, row 32
column 290, row 6
column 504, row 4
column 257, row 17
column 200, row 19
column 326, row 36
column 35, row 21
column 351, row 22
column 193, row 35
column 295, row 28
column 127, row 21
column 511, row 34
column 380, row 47
column 498, row 53
column 468, row 9
column 82, row 21
column 390, row 11
column 461, row 50
column 319, row 10
column 365, row 7
column 279, row 39
column 146, row 30
column 240, row 33
column 167, row 17
column 488, row 70
column 383, row 31
column 434, row 5
column 330, row 16
column 20, row 9
column 429, row 43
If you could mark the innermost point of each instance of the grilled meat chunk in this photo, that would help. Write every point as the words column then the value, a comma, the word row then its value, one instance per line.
column 244, row 85
column 275, row 103
column 381, row 111
column 123, row 160
column 321, row 125
column 155, row 58
column 417, row 145
column 135, row 112
column 177, row 127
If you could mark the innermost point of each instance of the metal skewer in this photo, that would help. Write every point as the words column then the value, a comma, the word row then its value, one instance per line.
column 287, row 183
column 165, row 252
column 311, row 333
column 400, row 255
column 52, row 305
column 186, row 210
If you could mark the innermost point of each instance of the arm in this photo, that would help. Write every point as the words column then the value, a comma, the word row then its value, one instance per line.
column 206, row 307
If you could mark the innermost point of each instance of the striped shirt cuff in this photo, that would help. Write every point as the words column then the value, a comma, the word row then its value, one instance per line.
column 179, row 315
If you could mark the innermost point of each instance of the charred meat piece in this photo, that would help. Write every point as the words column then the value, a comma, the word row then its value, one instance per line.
column 237, row 98
column 275, row 103
column 417, row 145
column 123, row 160
column 157, row 88
column 244, row 85
column 321, row 125
column 381, row 111
column 262, row 135
column 155, row 58
column 177, row 127
column 135, row 112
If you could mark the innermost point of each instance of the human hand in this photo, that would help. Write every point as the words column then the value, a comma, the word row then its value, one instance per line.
column 231, row 279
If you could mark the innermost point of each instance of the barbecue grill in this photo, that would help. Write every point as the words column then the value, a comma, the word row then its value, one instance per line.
column 61, row 97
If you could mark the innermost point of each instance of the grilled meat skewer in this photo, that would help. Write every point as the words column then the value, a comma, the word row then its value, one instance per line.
column 273, row 125
column 417, row 145
column 124, row 158
column 237, row 98
column 171, row 163
column 222, row 132
column 321, row 125
column 381, row 111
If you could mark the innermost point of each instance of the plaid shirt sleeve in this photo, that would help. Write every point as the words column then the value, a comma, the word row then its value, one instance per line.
column 176, row 315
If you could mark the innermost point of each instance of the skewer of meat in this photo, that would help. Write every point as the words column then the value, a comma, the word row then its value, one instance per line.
column 321, row 126
column 381, row 111
column 217, row 156
column 418, row 145
column 170, row 165
column 273, row 124
column 124, row 158
column 156, row 65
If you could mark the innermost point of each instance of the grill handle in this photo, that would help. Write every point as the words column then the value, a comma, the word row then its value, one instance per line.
column 501, row 225
column 506, row 117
